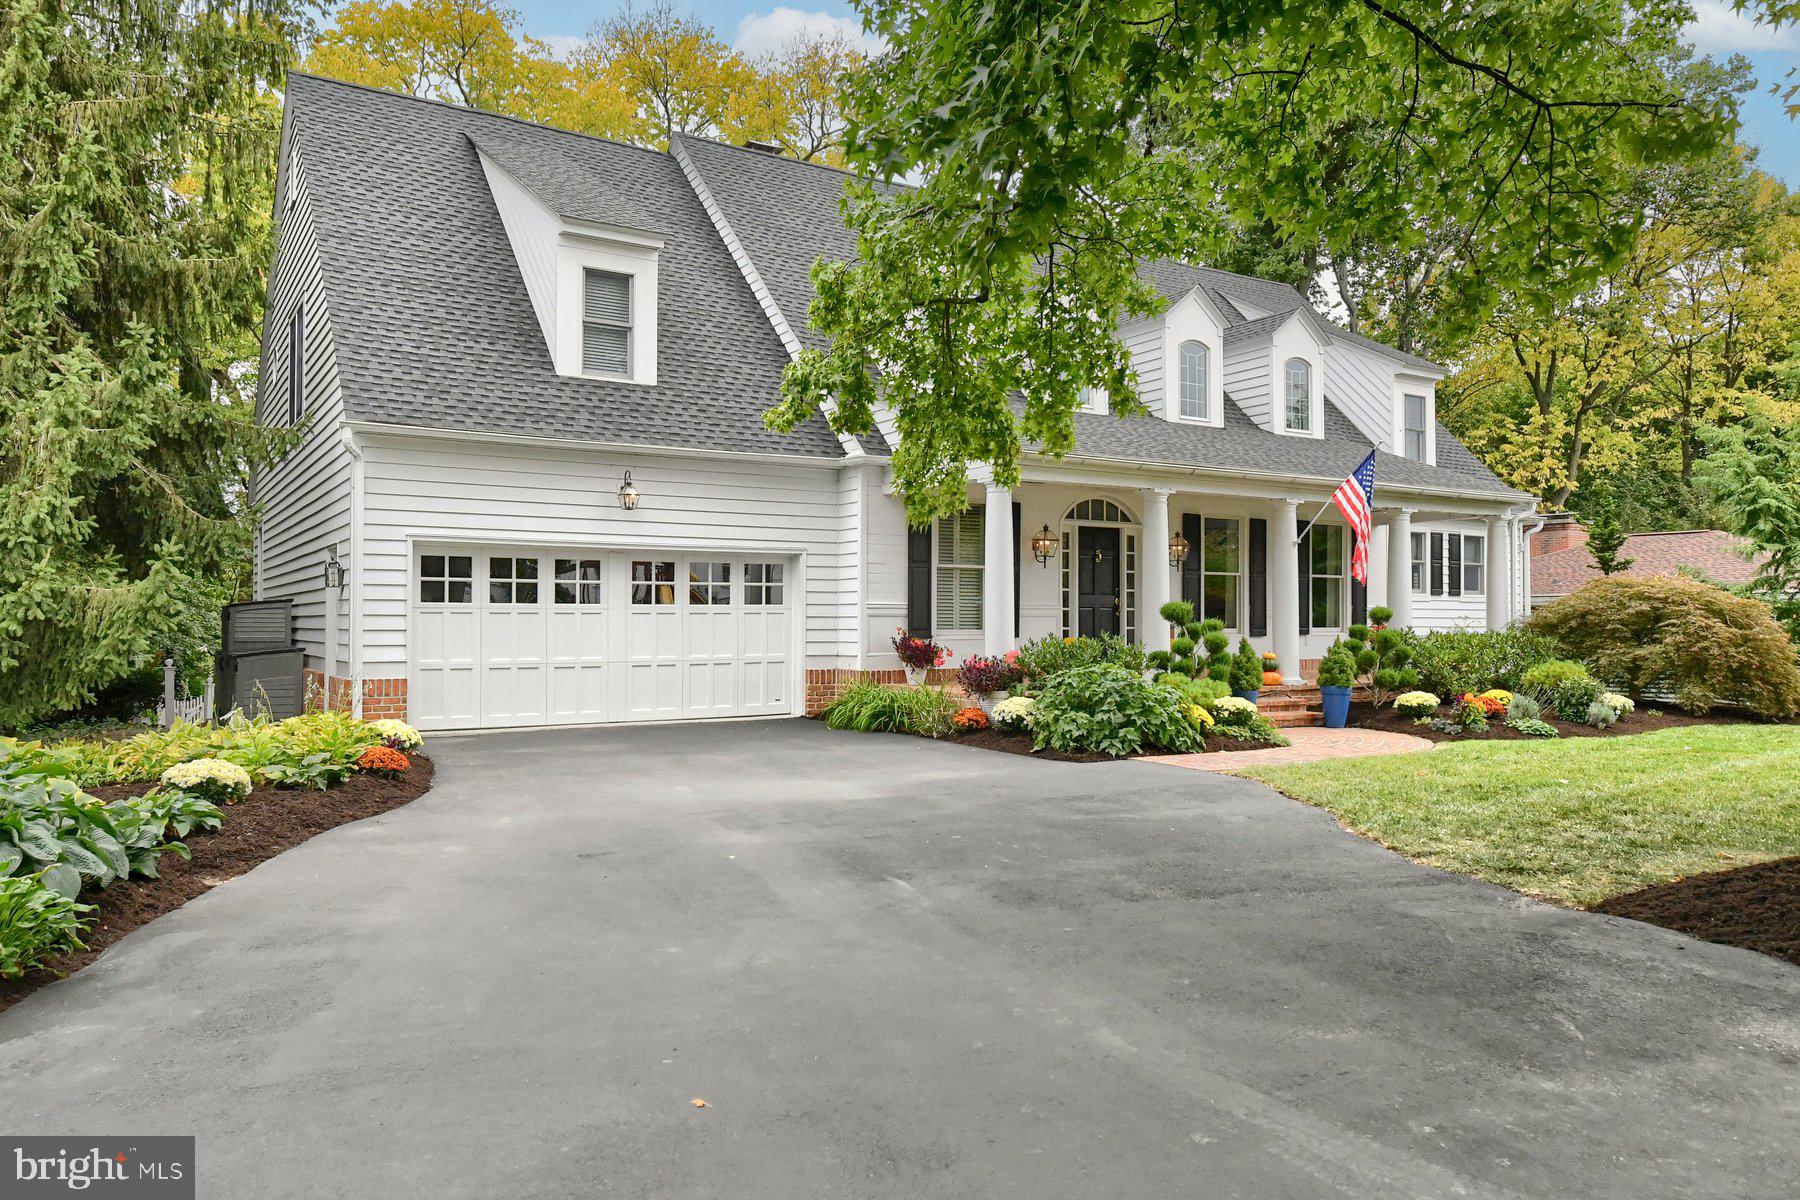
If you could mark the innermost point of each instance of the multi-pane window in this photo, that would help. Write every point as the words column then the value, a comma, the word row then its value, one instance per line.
column 1299, row 395
column 1415, row 427
column 446, row 579
column 652, row 581
column 512, row 581
column 577, row 581
column 297, row 365
column 1327, row 576
column 762, row 583
column 1193, row 381
column 709, row 583
column 1474, row 563
column 1220, row 561
column 606, row 323
column 960, row 551
column 1421, row 565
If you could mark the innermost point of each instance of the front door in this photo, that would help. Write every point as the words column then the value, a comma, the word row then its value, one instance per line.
column 1097, row 584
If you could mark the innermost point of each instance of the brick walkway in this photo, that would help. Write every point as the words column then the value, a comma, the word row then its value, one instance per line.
column 1310, row 745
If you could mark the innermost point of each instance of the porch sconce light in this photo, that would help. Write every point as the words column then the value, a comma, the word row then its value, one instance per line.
column 334, row 570
column 1043, row 545
column 1178, row 550
column 628, row 495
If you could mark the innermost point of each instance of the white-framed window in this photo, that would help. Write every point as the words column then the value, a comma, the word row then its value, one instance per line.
column 1413, row 417
column 297, row 365
column 709, row 583
column 1221, row 563
column 1327, row 576
column 652, row 581
column 512, row 580
column 1474, row 563
column 577, row 581
column 1094, row 400
column 446, row 579
column 1195, row 365
column 1421, row 564
column 606, row 323
column 961, row 551
column 762, row 584
column 1299, row 395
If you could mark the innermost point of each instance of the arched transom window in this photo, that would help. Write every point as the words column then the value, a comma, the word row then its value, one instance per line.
column 1299, row 395
column 1194, row 364
column 1097, row 509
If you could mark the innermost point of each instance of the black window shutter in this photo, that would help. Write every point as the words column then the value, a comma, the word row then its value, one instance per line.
column 1259, row 577
column 1017, row 548
column 1437, row 564
column 1455, row 563
column 1195, row 532
column 1359, row 592
column 1305, row 550
column 918, row 582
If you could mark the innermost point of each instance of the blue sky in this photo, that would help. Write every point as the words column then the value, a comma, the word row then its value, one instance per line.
column 756, row 26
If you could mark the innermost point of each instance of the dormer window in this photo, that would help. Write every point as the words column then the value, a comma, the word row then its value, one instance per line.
column 1299, row 395
column 1194, row 370
column 606, row 323
column 1415, row 407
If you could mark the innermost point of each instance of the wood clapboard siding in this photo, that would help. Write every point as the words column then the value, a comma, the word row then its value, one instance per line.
column 474, row 493
column 1144, row 341
column 305, row 497
column 1446, row 611
column 1247, row 379
column 1362, row 386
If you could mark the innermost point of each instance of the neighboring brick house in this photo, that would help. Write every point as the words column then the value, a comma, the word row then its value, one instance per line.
column 1561, row 562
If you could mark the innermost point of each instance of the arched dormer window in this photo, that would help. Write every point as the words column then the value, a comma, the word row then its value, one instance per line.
column 1299, row 396
column 1195, row 364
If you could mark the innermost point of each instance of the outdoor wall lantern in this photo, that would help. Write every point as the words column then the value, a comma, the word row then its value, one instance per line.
column 334, row 570
column 1178, row 550
column 628, row 495
column 1043, row 545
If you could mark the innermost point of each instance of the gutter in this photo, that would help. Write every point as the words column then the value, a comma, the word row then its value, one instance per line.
column 388, row 429
column 1309, row 480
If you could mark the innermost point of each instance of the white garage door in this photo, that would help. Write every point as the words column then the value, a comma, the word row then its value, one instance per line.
column 503, row 636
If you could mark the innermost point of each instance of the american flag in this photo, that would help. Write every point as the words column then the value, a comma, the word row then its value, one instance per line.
column 1355, row 498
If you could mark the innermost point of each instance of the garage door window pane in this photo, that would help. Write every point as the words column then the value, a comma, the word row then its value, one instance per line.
column 578, row 581
column 512, row 581
column 762, row 583
column 652, row 582
column 446, row 579
column 709, row 583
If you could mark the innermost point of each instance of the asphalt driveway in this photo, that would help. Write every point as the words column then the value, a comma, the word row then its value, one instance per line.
column 900, row 969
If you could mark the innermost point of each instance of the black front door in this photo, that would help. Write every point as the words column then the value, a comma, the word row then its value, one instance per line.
column 1097, row 581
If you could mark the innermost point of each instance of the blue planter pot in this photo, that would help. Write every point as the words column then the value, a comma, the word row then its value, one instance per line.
column 1250, row 696
column 1336, row 705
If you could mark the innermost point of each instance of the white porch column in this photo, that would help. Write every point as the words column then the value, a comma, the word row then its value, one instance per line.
column 1399, row 567
column 1284, row 587
column 997, row 578
column 1156, row 589
column 1499, row 572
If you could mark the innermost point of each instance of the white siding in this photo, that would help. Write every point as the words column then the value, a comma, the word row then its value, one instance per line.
column 1362, row 386
column 1467, row 611
column 532, row 229
column 470, row 492
column 304, row 498
column 1144, row 339
column 1247, row 376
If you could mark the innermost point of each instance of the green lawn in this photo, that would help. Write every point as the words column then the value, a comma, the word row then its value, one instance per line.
column 1578, row 820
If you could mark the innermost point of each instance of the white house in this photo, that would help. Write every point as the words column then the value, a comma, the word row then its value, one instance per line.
column 531, row 367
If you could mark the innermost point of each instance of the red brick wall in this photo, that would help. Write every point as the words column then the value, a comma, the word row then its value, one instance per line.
column 822, row 687
column 315, row 691
column 380, row 697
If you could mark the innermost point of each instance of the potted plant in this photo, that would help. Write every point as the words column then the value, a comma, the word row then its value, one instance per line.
column 981, row 677
column 918, row 655
column 1246, row 672
column 1337, row 678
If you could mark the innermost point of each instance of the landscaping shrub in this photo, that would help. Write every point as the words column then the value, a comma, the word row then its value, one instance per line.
column 1523, row 708
column 1204, row 692
column 874, row 708
column 1705, row 644
column 1457, row 661
column 1564, row 686
column 1246, row 668
column 1013, row 714
column 1338, row 668
column 36, row 923
column 982, row 676
column 210, row 779
column 1109, row 709
column 1219, row 660
column 1043, row 657
column 1416, row 704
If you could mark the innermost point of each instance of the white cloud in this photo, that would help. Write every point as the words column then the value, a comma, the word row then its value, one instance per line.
column 1717, row 29
column 764, row 33
column 562, row 45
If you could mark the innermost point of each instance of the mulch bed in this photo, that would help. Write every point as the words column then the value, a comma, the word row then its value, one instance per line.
column 1020, row 743
column 1365, row 716
column 1756, row 907
column 257, row 828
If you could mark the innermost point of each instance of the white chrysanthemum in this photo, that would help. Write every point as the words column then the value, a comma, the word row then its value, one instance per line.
column 1416, row 704
column 1015, row 712
column 397, row 734
column 209, row 776
column 1619, row 704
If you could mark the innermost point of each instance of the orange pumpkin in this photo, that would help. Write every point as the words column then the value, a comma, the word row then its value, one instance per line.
column 1271, row 678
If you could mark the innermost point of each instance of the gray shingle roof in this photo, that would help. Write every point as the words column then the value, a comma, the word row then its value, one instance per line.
column 430, row 317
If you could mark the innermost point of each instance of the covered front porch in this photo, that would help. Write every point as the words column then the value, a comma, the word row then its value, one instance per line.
column 1076, row 551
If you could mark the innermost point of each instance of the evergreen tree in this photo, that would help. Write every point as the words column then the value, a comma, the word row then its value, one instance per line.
column 1606, row 537
column 136, row 147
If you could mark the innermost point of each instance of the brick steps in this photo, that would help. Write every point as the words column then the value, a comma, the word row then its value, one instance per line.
column 1291, row 705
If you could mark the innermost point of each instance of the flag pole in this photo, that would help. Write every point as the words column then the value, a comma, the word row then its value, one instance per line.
column 1298, row 537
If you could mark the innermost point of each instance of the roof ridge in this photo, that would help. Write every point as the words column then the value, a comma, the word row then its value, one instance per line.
column 765, row 156
column 1677, row 532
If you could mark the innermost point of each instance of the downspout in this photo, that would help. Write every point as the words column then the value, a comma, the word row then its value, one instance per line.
column 355, row 570
column 1526, row 529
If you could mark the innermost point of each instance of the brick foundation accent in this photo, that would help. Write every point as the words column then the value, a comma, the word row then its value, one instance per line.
column 315, row 691
column 380, row 697
column 822, row 687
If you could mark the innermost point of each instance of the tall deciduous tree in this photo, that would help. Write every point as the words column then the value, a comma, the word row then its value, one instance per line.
column 136, row 151
column 681, row 74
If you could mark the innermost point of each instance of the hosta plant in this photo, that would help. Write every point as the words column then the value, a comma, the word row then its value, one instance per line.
column 36, row 924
